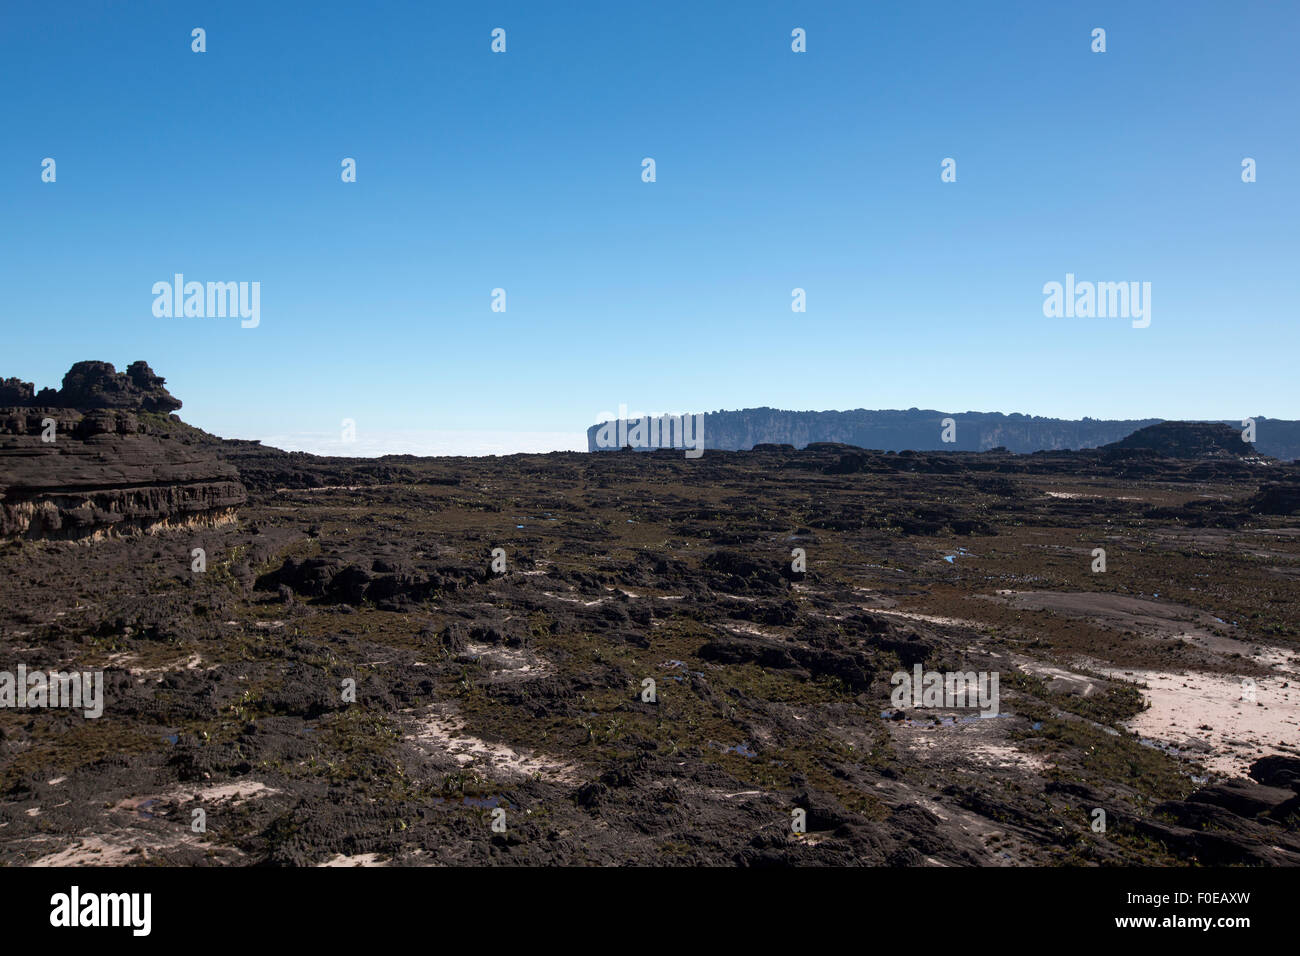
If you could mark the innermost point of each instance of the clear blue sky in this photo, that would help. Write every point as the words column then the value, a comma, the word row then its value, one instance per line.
column 775, row 170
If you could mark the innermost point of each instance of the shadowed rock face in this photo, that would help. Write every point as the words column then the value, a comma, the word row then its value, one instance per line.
column 115, row 466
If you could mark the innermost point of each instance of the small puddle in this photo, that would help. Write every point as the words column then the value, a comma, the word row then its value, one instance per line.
column 743, row 749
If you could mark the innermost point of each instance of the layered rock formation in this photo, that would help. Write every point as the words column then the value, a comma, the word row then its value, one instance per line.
column 100, row 457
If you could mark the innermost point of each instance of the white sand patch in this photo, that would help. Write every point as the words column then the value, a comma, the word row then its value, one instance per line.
column 506, row 663
column 933, row 742
column 962, row 738
column 446, row 733
column 751, row 630
column 189, row 663
column 157, row 805
column 1204, row 715
column 1007, row 756
column 154, row 830
column 239, row 792
column 570, row 600
column 927, row 618
column 358, row 859
column 320, row 488
column 1080, row 494
column 130, row 848
column 1060, row 680
column 92, row 851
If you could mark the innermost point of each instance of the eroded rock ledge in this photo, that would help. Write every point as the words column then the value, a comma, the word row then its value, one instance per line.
column 120, row 465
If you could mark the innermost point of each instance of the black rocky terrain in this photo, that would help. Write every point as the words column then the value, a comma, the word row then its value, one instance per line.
column 380, row 655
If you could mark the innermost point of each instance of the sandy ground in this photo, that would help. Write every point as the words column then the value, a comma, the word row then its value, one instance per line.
column 359, row 859
column 445, row 732
column 507, row 663
column 1204, row 716
column 928, row 618
column 142, row 839
column 124, row 848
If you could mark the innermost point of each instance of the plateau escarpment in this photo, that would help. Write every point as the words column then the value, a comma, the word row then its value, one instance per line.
column 918, row 429
column 102, row 456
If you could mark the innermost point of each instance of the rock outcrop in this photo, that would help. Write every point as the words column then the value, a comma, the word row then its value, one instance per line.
column 100, row 456
column 1183, row 440
column 91, row 385
column 1277, row 498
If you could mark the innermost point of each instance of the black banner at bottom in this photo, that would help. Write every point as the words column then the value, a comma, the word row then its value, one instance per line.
column 333, row 906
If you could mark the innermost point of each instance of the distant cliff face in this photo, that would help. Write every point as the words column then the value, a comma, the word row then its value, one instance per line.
column 922, row 430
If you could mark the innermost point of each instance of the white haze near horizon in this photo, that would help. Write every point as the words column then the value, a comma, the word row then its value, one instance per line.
column 429, row 443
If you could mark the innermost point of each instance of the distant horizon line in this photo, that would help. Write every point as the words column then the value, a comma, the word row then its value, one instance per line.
column 487, row 443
